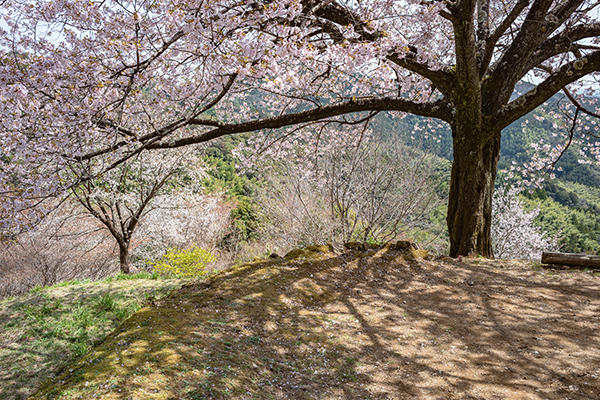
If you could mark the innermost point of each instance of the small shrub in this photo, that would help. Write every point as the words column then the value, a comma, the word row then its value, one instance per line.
column 127, row 310
column 79, row 348
column 190, row 263
column 106, row 303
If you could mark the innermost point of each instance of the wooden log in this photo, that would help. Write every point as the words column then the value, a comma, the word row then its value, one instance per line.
column 577, row 260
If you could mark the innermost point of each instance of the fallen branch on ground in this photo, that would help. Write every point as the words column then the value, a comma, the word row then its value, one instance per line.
column 579, row 260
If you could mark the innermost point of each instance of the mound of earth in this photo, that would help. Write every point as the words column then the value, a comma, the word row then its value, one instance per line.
column 367, row 324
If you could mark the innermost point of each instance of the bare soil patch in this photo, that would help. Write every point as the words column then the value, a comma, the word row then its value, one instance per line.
column 360, row 325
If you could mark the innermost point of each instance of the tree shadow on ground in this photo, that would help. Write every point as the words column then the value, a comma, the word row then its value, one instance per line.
column 359, row 325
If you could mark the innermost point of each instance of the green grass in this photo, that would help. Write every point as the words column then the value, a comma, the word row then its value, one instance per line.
column 42, row 331
column 127, row 277
column 71, row 283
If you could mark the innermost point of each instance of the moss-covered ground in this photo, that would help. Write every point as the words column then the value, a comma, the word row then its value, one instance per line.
column 45, row 330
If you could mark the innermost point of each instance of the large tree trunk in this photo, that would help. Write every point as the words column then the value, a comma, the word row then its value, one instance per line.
column 124, row 258
column 476, row 154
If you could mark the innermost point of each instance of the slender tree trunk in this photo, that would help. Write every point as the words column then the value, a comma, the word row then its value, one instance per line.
column 124, row 258
column 476, row 153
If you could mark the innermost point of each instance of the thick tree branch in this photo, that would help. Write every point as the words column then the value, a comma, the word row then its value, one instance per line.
column 492, row 40
column 483, row 20
column 539, row 24
column 331, row 15
column 527, row 39
column 340, row 15
column 467, row 73
column 563, row 42
column 165, row 130
column 439, row 109
column 441, row 79
column 567, row 74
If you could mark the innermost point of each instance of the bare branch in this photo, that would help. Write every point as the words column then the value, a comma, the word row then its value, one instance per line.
column 578, row 105
column 571, row 133
column 492, row 40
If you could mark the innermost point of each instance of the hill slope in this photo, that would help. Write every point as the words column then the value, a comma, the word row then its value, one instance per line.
column 43, row 331
column 361, row 325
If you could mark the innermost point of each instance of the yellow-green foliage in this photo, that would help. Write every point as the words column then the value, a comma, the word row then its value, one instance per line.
column 188, row 263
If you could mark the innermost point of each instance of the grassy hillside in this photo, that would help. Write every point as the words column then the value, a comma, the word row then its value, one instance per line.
column 43, row 331
column 373, row 324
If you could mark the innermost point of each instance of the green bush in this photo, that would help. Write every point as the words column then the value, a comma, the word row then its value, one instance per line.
column 106, row 302
column 189, row 263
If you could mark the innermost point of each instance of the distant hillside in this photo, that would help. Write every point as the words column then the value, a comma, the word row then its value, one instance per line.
column 569, row 204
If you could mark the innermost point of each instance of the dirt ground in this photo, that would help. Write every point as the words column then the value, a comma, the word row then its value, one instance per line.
column 357, row 326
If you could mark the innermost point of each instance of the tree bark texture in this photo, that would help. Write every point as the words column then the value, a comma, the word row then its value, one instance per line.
column 471, row 190
column 124, row 258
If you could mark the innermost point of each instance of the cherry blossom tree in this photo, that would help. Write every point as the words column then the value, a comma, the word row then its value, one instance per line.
column 340, row 185
column 514, row 230
column 116, row 78
column 183, row 219
column 122, row 197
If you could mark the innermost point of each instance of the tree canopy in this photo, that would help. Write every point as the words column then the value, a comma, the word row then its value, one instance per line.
column 113, row 78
